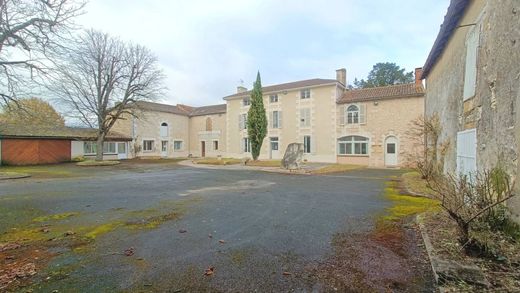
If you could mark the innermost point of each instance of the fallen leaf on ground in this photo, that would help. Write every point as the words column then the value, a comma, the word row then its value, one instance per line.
column 69, row 233
column 222, row 241
column 209, row 271
column 210, row 236
column 286, row 274
column 183, row 231
column 129, row 251
column 9, row 246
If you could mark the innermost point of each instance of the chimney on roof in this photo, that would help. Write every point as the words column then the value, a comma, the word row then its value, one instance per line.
column 241, row 89
column 418, row 76
column 341, row 76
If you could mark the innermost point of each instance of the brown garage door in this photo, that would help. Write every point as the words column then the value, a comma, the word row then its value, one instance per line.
column 35, row 151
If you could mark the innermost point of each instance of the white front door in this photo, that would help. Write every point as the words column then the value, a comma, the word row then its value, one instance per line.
column 274, row 148
column 121, row 151
column 164, row 148
column 391, row 151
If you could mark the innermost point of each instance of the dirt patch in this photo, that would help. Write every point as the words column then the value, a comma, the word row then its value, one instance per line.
column 390, row 258
column 239, row 185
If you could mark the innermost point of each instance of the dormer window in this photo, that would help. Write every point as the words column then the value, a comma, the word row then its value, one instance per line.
column 273, row 98
column 246, row 101
column 305, row 94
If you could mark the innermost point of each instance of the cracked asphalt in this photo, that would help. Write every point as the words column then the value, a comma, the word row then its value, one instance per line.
column 259, row 231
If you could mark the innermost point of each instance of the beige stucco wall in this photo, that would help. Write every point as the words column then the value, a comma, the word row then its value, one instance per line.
column 147, row 127
column 322, row 105
column 384, row 118
column 199, row 133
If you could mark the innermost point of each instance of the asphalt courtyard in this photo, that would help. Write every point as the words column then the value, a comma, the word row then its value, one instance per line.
column 169, row 228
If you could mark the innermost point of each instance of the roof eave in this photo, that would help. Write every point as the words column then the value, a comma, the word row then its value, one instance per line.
column 245, row 94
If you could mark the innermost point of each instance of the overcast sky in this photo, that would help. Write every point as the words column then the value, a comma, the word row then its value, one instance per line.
column 207, row 47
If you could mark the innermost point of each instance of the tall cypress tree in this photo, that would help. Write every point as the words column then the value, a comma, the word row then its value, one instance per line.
column 256, row 119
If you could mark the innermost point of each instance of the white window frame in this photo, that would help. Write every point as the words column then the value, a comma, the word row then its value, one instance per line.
column 152, row 145
column 246, row 145
column 107, row 149
column 274, row 140
column 354, row 140
column 307, row 144
column 305, row 94
column 164, row 129
column 181, row 142
column 352, row 116
column 273, row 98
column 305, row 117
column 276, row 119
column 246, row 102
column 91, row 146
column 242, row 121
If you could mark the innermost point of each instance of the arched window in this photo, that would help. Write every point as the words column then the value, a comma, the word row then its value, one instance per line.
column 353, row 145
column 209, row 124
column 164, row 129
column 353, row 114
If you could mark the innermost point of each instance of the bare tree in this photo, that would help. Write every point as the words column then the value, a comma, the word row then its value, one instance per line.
column 30, row 30
column 103, row 77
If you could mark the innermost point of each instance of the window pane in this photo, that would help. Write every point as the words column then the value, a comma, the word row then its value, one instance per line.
column 348, row 148
column 357, row 148
column 342, row 149
column 364, row 148
column 390, row 148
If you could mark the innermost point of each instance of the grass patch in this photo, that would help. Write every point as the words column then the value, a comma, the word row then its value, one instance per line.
column 336, row 168
column 414, row 183
column 265, row 163
column 13, row 175
column 55, row 217
column 41, row 171
column 216, row 161
column 91, row 163
column 406, row 205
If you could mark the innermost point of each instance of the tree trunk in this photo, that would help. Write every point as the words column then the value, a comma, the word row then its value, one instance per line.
column 99, row 148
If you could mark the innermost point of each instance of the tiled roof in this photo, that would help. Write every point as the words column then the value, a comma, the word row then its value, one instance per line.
column 451, row 21
column 182, row 109
column 60, row 132
column 288, row 86
column 207, row 110
column 379, row 93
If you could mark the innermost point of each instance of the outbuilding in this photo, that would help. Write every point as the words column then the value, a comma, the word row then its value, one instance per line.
column 32, row 145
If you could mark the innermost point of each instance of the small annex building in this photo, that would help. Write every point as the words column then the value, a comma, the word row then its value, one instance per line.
column 32, row 145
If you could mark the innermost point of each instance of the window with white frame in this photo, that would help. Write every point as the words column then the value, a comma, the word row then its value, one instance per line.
column 246, row 101
column 305, row 117
column 164, row 129
column 305, row 94
column 274, row 143
column 148, row 145
column 109, row 147
column 89, row 147
column 215, row 145
column 246, row 145
column 276, row 119
column 177, row 145
column 242, row 121
column 352, row 114
column 470, row 73
column 273, row 98
column 307, row 144
column 353, row 145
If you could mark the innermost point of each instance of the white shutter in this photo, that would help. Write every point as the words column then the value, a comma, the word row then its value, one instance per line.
column 271, row 120
column 279, row 119
column 362, row 114
column 240, row 122
column 470, row 73
column 342, row 115
column 467, row 152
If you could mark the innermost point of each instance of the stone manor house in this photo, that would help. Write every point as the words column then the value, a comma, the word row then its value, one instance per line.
column 335, row 124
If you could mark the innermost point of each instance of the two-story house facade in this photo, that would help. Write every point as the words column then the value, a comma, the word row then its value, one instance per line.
column 301, row 111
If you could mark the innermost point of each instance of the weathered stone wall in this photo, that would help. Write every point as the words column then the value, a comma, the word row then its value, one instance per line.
column 493, row 109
